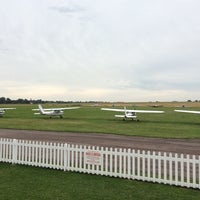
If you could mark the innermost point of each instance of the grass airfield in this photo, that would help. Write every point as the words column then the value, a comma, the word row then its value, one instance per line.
column 22, row 182
column 89, row 118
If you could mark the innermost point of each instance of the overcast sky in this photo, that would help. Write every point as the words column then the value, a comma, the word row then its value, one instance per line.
column 107, row 50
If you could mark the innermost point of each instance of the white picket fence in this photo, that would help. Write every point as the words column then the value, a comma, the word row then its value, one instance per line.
column 174, row 169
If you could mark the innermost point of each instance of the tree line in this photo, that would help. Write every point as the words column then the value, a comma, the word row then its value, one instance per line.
column 4, row 100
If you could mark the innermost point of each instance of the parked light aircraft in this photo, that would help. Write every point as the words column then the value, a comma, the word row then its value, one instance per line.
column 130, row 114
column 52, row 111
column 2, row 110
column 188, row 111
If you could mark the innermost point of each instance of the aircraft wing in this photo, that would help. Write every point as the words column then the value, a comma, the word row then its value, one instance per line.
column 7, row 108
column 146, row 111
column 113, row 109
column 135, row 111
column 36, row 113
column 56, row 109
column 188, row 111
column 66, row 108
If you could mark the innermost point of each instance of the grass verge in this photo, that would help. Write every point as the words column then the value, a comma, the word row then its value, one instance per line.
column 21, row 182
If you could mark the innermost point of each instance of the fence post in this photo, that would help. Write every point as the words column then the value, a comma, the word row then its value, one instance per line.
column 14, row 151
column 1, row 149
column 199, row 170
column 65, row 156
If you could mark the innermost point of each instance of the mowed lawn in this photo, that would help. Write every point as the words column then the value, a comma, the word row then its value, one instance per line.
column 21, row 182
column 91, row 119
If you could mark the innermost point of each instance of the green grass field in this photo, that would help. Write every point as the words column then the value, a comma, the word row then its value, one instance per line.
column 21, row 182
column 92, row 120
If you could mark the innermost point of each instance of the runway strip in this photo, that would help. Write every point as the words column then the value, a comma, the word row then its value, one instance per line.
column 186, row 146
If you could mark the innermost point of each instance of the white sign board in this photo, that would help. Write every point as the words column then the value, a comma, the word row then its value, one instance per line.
column 93, row 157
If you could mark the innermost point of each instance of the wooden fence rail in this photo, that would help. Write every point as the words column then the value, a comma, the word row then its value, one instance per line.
column 168, row 168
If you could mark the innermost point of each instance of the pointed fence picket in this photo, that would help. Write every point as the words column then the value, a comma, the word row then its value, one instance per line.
column 168, row 168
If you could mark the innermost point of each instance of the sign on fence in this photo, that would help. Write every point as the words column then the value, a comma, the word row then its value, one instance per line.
column 93, row 157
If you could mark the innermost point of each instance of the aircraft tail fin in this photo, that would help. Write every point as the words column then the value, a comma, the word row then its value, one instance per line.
column 125, row 109
column 41, row 109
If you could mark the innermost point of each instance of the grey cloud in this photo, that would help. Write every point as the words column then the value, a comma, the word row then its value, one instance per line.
column 69, row 9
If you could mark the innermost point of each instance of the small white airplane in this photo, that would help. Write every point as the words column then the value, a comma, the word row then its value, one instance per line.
column 2, row 110
column 188, row 111
column 52, row 111
column 130, row 114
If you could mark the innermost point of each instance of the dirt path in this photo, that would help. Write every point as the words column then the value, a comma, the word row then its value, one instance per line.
column 186, row 146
